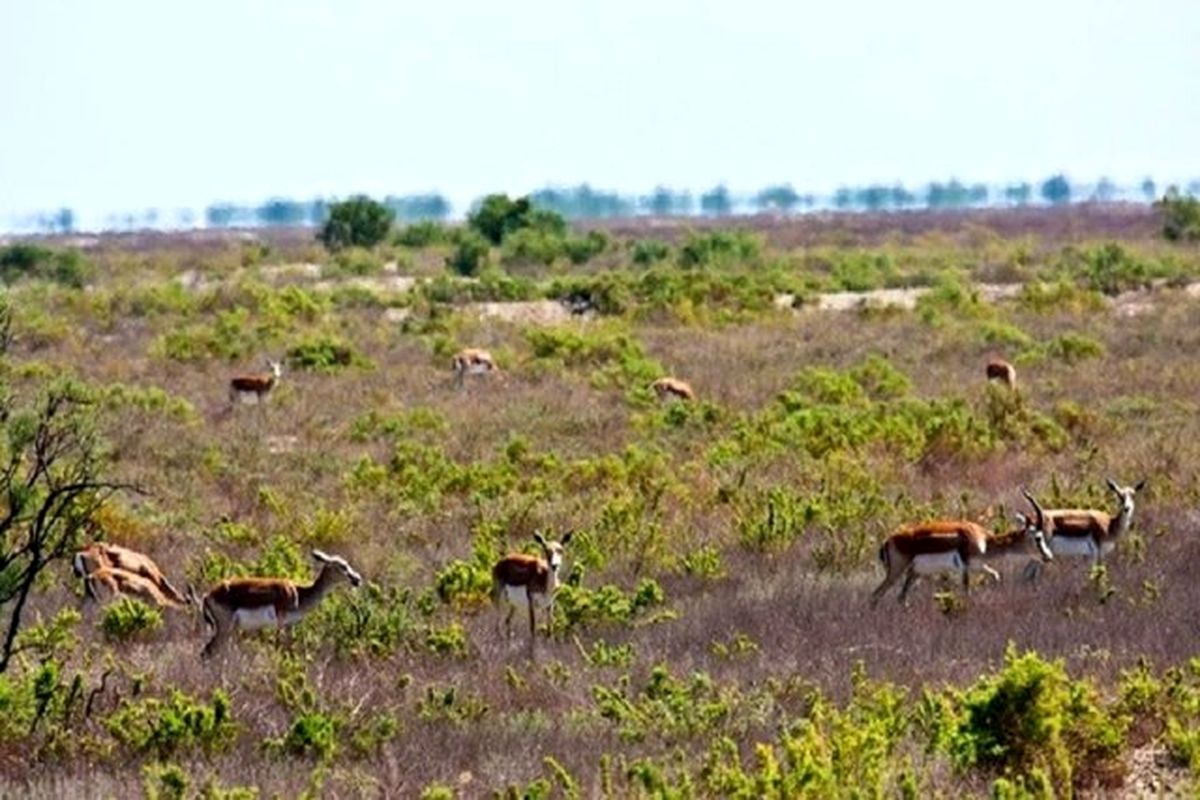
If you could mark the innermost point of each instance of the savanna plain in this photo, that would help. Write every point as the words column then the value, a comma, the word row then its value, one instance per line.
column 712, row 636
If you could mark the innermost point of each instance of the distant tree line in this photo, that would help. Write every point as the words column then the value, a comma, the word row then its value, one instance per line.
column 585, row 202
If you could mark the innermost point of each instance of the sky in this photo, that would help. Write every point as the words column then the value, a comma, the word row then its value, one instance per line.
column 135, row 104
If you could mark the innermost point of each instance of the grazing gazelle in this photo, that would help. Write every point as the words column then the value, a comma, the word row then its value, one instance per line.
column 102, row 555
column 256, row 385
column 525, row 580
column 1084, row 532
column 1000, row 370
column 940, row 546
column 252, row 603
column 473, row 361
column 114, row 582
column 673, row 389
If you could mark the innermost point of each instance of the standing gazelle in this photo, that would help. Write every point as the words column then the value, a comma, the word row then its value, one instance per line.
column 253, row 603
column 1085, row 532
column 940, row 546
column 673, row 389
column 114, row 558
column 1000, row 370
column 473, row 361
column 256, row 385
column 525, row 580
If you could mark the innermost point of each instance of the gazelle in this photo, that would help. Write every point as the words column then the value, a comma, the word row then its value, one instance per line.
column 940, row 546
column 253, row 603
column 257, row 384
column 102, row 555
column 673, row 389
column 1085, row 532
column 114, row 582
column 1000, row 370
column 525, row 580
column 473, row 361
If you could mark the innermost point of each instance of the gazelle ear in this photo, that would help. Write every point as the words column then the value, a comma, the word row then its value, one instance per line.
column 1113, row 485
column 1137, row 487
column 537, row 537
column 320, row 556
column 566, row 537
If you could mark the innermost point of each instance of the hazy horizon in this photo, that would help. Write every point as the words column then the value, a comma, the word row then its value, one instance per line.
column 172, row 107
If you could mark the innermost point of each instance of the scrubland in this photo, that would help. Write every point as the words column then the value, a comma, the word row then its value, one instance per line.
column 713, row 636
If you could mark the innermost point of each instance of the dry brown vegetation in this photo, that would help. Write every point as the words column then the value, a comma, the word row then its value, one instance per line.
column 724, row 550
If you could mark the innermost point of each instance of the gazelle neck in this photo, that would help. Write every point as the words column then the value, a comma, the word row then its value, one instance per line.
column 310, row 595
column 1120, row 523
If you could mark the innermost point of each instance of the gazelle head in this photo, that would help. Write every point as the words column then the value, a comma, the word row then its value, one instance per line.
column 1125, row 494
column 340, row 565
column 553, row 550
column 276, row 368
column 1036, row 534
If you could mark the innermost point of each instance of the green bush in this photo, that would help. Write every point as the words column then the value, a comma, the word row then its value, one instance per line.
column 470, row 254
column 1032, row 717
column 31, row 261
column 497, row 216
column 356, row 222
column 165, row 727
column 324, row 354
column 422, row 234
column 129, row 618
column 650, row 251
column 1180, row 216
column 719, row 248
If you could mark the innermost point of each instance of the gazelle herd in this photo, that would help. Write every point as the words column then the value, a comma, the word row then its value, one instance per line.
column 956, row 547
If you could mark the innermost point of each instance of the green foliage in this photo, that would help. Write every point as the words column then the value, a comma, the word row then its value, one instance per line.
column 450, row 640
column 1180, row 216
column 356, row 222
column 129, row 618
column 31, row 261
column 312, row 734
column 1032, row 717
column 353, row 261
column 719, row 249
column 470, row 254
column 464, row 584
column 422, row 234
column 576, row 606
column 497, row 216
column 646, row 252
column 163, row 728
column 325, row 353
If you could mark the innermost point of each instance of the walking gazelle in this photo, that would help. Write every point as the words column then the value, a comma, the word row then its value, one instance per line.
column 253, row 603
column 529, row 581
column 1085, row 532
column 954, row 546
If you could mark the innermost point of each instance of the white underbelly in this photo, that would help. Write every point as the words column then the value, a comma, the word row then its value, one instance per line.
column 1073, row 547
column 252, row 619
column 518, row 596
column 478, row 369
column 937, row 563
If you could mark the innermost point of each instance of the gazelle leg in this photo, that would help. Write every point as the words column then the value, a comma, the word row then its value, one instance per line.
column 910, row 577
column 880, row 590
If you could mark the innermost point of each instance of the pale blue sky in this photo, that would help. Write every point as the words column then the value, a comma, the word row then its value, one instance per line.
column 126, row 105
